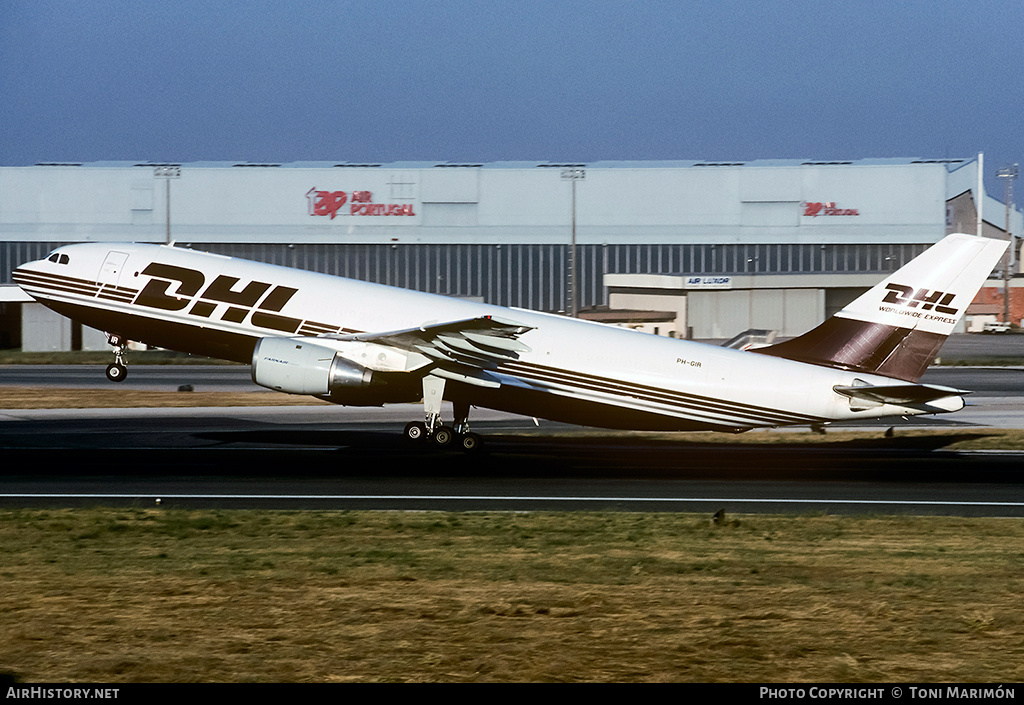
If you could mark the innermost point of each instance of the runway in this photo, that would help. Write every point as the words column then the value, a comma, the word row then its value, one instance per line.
column 343, row 458
column 322, row 458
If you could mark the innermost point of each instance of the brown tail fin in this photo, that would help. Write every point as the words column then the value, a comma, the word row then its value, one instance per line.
column 898, row 326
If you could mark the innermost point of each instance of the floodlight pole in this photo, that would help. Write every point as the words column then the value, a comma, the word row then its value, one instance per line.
column 980, row 195
column 1008, row 174
column 167, row 173
column 573, row 174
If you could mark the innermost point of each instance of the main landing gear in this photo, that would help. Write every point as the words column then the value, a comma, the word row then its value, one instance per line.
column 432, row 430
column 118, row 372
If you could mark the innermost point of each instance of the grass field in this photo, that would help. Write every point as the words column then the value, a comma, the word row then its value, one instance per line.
column 105, row 357
column 116, row 398
column 126, row 595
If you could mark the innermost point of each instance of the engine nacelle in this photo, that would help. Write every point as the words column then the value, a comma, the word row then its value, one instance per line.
column 298, row 366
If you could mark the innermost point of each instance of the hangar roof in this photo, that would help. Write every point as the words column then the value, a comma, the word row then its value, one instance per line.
column 951, row 164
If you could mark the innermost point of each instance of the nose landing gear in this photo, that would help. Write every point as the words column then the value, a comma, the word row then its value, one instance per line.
column 118, row 372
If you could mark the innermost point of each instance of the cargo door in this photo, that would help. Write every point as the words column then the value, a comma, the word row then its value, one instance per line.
column 110, row 277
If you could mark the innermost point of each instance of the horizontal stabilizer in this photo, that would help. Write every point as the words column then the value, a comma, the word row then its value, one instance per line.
column 899, row 394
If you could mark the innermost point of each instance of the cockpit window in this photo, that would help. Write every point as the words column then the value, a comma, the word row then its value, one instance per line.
column 59, row 258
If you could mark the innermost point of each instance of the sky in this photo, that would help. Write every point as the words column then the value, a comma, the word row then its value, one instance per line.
column 396, row 80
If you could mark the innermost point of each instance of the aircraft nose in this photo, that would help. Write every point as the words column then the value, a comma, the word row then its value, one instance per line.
column 24, row 269
column 32, row 266
column 36, row 275
column 36, row 264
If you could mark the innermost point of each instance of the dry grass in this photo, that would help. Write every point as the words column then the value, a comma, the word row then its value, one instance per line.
column 87, row 398
column 150, row 595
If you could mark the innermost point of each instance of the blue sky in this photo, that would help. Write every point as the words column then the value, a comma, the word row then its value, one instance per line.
column 387, row 80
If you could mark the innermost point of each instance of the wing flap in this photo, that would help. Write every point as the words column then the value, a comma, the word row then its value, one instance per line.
column 473, row 377
column 460, row 350
column 899, row 394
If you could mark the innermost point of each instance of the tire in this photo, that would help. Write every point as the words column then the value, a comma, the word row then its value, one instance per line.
column 117, row 373
column 443, row 436
column 471, row 443
column 416, row 432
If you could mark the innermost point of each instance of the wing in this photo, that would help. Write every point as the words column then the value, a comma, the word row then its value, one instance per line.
column 465, row 351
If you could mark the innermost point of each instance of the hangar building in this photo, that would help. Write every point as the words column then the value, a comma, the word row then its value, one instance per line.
column 712, row 247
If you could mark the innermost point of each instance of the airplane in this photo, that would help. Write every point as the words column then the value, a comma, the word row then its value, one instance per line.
column 362, row 344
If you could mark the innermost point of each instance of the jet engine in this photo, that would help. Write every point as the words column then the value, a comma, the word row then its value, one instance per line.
column 298, row 366
column 303, row 366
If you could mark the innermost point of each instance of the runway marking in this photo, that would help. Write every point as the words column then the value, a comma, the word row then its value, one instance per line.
column 512, row 498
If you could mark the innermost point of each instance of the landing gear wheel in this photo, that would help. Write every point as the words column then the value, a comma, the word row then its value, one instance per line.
column 117, row 372
column 471, row 443
column 443, row 436
column 416, row 432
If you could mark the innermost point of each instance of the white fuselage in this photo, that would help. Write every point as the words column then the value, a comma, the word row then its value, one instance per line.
column 573, row 371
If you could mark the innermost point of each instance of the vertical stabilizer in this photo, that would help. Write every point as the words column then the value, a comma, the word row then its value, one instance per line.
column 898, row 326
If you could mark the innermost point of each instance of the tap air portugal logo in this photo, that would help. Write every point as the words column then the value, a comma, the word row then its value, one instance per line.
column 919, row 303
column 814, row 209
column 333, row 203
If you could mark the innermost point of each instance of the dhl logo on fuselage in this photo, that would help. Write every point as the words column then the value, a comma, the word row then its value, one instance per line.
column 222, row 290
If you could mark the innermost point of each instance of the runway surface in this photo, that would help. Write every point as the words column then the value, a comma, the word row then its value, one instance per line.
column 326, row 457
column 342, row 458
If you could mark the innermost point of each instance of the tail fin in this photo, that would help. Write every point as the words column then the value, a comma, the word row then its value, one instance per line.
column 898, row 326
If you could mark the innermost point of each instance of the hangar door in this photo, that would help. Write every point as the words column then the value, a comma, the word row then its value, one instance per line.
column 723, row 314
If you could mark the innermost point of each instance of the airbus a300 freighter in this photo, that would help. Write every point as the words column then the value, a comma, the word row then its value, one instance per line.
column 356, row 343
